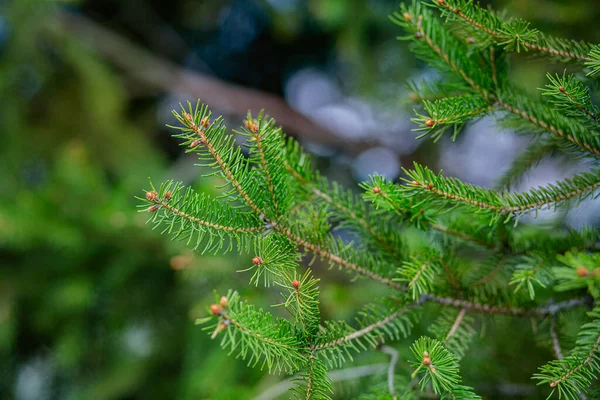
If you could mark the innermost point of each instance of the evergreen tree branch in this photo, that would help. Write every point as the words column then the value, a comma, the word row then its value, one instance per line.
column 335, row 259
column 393, row 353
column 451, row 276
column 211, row 225
column 445, row 49
column 225, row 228
column 571, row 96
column 255, row 335
column 574, row 373
column 314, row 382
column 395, row 200
column 554, row 336
column 537, row 114
column 456, row 324
column 515, row 311
column 508, row 204
column 501, row 262
column 464, row 236
column 263, row 162
column 367, row 330
column 515, row 33
column 202, row 135
column 337, row 375
column 349, row 209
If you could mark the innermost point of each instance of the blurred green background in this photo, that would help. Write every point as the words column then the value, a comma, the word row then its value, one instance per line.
column 96, row 305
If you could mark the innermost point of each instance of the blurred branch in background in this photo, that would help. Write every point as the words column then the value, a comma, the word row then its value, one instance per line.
column 164, row 75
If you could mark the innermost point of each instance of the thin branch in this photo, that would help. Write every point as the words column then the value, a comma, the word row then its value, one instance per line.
column 368, row 329
column 549, row 128
column 365, row 224
column 581, row 108
column 514, row 209
column 247, row 331
column 492, row 273
column 494, row 101
column 318, row 250
column 463, row 236
column 501, row 37
column 225, row 168
column 392, row 366
column 456, row 324
column 577, row 368
column 339, row 375
column 263, row 163
column 555, row 341
column 418, row 274
column 211, row 225
column 451, row 277
column 514, row 311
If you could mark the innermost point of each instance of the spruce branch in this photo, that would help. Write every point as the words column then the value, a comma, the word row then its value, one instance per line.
column 393, row 353
column 212, row 224
column 436, row 45
column 531, row 271
column 275, row 260
column 333, row 258
column 574, row 373
column 594, row 63
column 555, row 340
column 313, row 383
column 571, row 96
column 377, row 321
column 209, row 140
column 255, row 335
column 266, row 142
column 451, row 111
column 504, row 310
column 389, row 196
column 454, row 330
column 579, row 269
column 423, row 182
column 499, row 262
column 302, row 302
column 350, row 212
column 441, row 369
column 419, row 275
column 514, row 34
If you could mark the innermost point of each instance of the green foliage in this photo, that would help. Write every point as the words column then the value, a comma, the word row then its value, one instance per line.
column 431, row 238
column 573, row 374
column 579, row 270
column 441, row 369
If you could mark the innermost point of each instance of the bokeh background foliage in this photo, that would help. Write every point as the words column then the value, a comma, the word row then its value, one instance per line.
column 96, row 305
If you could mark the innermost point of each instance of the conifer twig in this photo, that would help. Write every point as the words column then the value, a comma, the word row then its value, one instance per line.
column 318, row 250
column 579, row 106
column 362, row 221
column 368, row 329
column 393, row 353
column 502, row 37
column 555, row 341
column 220, row 227
column 224, row 167
column 492, row 273
column 494, row 101
column 515, row 311
column 587, row 360
column 456, row 324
